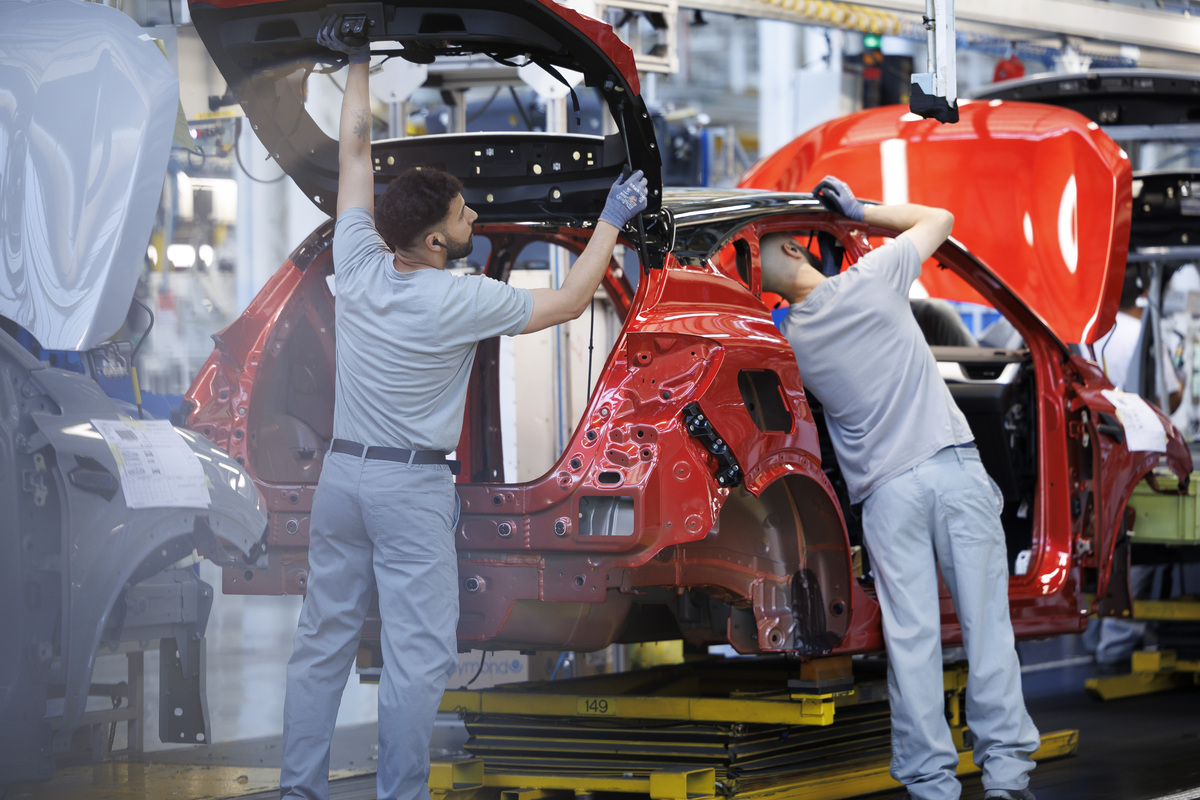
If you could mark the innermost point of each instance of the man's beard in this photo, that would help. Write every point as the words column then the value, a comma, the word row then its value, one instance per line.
column 456, row 250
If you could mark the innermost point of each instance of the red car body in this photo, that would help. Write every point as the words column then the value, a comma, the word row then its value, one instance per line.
column 1044, row 197
column 692, row 500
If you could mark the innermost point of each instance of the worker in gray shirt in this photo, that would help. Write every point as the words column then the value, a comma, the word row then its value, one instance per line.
column 907, row 454
column 385, row 510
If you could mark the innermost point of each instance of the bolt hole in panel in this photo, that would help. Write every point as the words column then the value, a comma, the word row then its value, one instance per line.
column 606, row 516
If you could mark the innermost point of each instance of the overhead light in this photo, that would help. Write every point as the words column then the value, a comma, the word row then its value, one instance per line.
column 181, row 256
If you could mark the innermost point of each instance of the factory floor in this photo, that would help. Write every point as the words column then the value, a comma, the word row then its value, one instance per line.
column 1137, row 748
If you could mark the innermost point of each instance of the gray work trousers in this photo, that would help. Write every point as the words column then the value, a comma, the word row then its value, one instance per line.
column 387, row 526
column 945, row 512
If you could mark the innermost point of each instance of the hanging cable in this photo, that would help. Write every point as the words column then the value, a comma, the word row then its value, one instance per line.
column 521, row 109
column 479, row 671
column 562, row 659
column 643, row 253
column 137, row 389
column 237, row 153
column 486, row 105
column 587, row 390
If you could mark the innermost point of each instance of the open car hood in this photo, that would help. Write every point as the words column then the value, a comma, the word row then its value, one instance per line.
column 87, row 113
column 1137, row 107
column 265, row 50
column 1038, row 193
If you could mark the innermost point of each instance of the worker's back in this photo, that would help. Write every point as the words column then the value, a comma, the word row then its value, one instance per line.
column 885, row 403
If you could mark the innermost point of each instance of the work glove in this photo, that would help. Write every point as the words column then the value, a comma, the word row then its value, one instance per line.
column 339, row 37
column 835, row 195
column 626, row 198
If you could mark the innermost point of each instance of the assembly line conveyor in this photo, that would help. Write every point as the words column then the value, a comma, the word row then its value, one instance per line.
column 750, row 729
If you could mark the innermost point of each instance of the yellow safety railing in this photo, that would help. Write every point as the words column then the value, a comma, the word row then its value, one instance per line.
column 847, row 16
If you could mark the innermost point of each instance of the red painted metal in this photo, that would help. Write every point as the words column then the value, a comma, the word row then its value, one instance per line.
column 1039, row 193
column 536, row 580
column 729, row 564
column 532, row 578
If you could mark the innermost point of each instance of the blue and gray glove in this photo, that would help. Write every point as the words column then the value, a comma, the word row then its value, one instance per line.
column 626, row 198
column 835, row 195
column 336, row 33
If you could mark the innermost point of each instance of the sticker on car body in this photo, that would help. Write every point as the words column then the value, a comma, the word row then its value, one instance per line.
column 1144, row 431
column 158, row 469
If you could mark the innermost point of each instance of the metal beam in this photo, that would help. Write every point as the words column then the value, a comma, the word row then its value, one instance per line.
column 1086, row 19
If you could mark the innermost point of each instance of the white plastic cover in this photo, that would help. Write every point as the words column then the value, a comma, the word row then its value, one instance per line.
column 87, row 114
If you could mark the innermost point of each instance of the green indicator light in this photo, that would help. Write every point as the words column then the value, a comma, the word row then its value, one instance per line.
column 871, row 41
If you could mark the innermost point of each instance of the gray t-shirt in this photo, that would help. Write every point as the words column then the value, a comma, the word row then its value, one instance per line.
column 406, row 341
column 862, row 354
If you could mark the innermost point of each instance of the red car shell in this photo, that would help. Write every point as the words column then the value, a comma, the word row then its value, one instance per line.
column 694, row 498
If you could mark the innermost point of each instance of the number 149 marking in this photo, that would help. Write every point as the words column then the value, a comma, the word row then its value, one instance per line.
column 597, row 705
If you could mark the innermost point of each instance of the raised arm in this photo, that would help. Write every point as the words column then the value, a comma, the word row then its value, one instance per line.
column 926, row 227
column 555, row 306
column 356, row 178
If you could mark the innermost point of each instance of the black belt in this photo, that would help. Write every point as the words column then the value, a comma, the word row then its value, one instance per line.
column 399, row 454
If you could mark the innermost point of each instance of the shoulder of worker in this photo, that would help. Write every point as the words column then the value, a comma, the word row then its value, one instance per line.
column 897, row 262
column 355, row 239
column 495, row 307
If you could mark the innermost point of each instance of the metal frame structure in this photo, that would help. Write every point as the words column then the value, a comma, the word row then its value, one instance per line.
column 682, row 732
column 1153, row 670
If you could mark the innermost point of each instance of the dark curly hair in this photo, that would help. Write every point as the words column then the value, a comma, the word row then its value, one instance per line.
column 414, row 202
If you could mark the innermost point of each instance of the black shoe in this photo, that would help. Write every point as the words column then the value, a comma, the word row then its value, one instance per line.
column 1008, row 794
